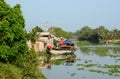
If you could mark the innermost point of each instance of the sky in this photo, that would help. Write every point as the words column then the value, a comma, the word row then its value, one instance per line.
column 70, row 15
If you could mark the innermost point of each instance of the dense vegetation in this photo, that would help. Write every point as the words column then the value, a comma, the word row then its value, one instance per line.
column 59, row 32
column 32, row 35
column 16, row 61
column 98, row 35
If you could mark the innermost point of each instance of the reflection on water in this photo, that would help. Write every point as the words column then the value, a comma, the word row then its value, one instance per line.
column 50, row 60
column 89, row 62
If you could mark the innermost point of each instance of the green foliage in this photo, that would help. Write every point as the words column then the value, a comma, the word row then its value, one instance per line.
column 115, row 34
column 57, row 62
column 37, row 29
column 25, row 67
column 32, row 35
column 80, row 68
column 27, row 59
column 59, row 32
column 98, row 35
column 12, row 35
column 28, row 63
column 4, row 52
column 112, row 70
column 103, row 34
column 19, row 63
column 8, row 71
column 3, row 9
column 85, row 33
column 98, row 71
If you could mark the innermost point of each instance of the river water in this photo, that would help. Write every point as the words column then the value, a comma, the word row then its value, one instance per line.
column 88, row 62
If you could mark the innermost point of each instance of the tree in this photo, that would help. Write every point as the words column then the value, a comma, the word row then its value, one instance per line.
column 115, row 34
column 98, row 35
column 59, row 32
column 16, row 61
column 102, row 33
column 32, row 35
column 12, row 35
column 85, row 33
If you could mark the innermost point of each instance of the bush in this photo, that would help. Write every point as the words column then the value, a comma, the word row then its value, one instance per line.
column 25, row 67
column 8, row 71
column 28, row 64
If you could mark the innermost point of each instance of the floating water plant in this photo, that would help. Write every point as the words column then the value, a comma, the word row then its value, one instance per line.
column 89, row 65
column 72, row 74
column 80, row 68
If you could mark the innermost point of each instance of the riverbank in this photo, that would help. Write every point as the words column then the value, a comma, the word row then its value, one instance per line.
column 10, row 71
column 25, row 67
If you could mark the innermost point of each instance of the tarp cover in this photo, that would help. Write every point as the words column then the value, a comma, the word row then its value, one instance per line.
column 67, row 41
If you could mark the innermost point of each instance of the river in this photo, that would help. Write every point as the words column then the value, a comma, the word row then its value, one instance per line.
column 88, row 62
